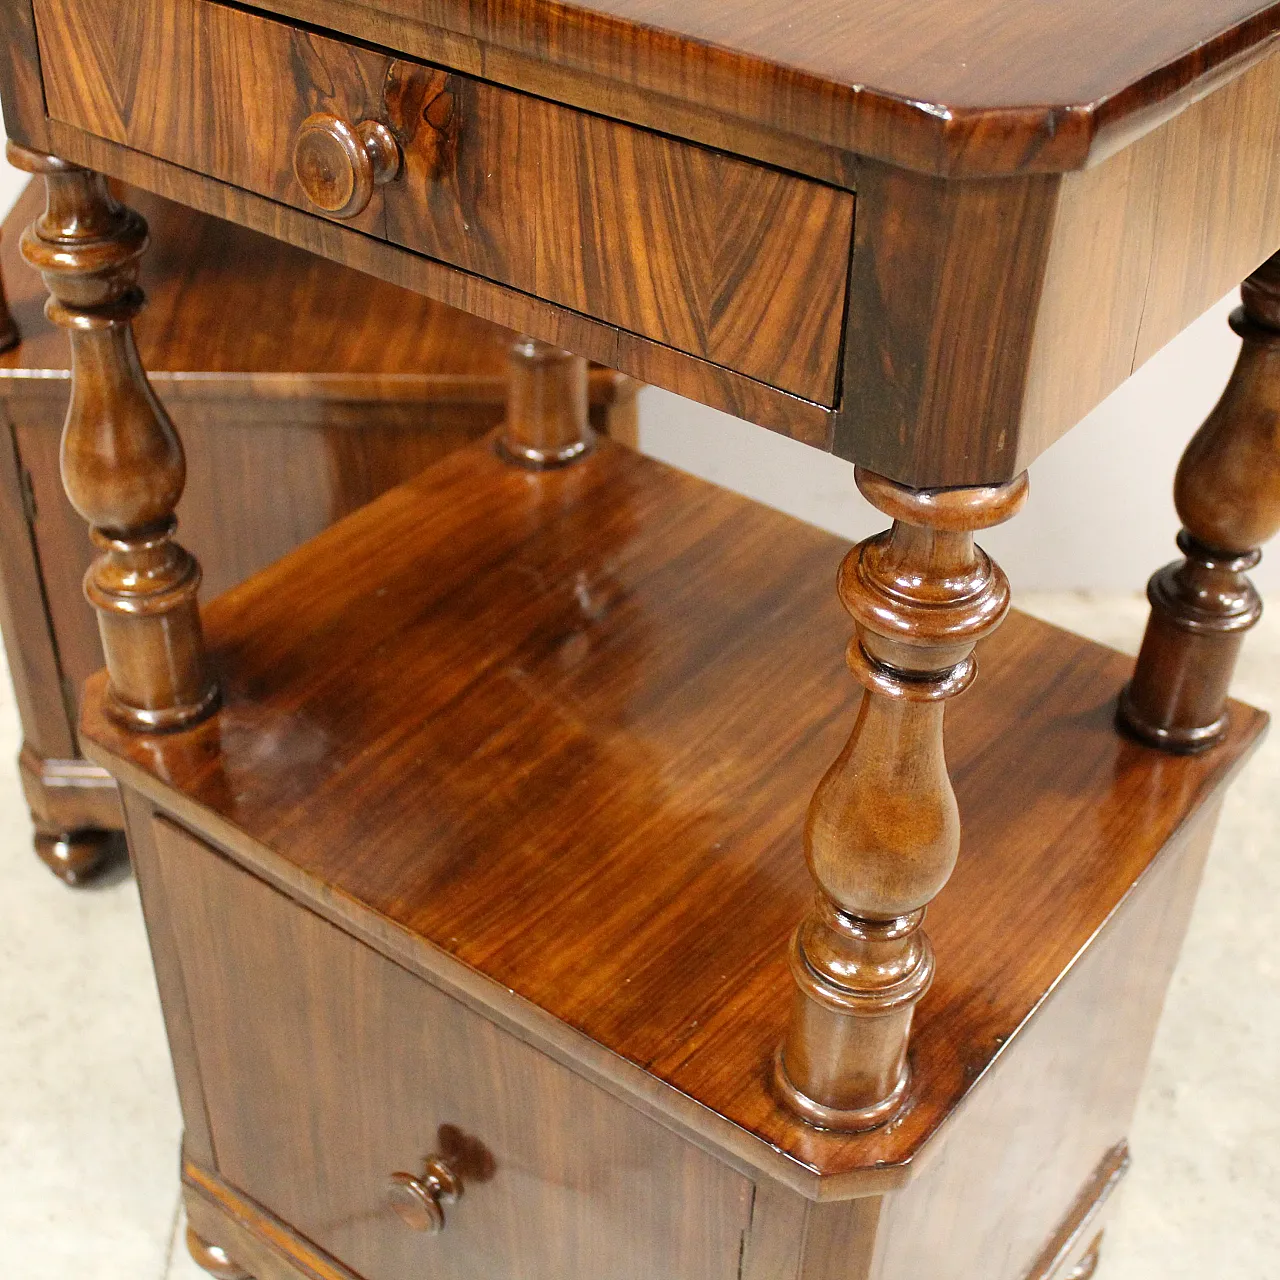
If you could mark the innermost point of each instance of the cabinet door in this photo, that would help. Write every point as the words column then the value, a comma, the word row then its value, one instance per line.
column 326, row 1068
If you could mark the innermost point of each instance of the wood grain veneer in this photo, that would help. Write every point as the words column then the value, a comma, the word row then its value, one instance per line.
column 985, row 315
column 1019, row 1186
column 397, row 1070
column 1147, row 241
column 625, row 685
column 608, row 202
column 975, row 87
column 650, row 362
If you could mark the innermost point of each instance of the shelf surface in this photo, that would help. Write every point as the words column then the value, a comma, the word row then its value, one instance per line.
column 565, row 727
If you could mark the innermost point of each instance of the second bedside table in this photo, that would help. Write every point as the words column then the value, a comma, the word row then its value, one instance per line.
column 250, row 341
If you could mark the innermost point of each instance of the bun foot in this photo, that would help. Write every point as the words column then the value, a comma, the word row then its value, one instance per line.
column 76, row 857
column 214, row 1259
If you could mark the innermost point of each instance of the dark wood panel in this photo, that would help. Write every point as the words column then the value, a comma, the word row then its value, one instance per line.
column 34, row 665
column 197, row 1135
column 21, row 92
column 216, row 89
column 1009, row 1167
column 617, row 660
column 946, row 287
column 396, row 1071
column 1147, row 241
column 680, row 244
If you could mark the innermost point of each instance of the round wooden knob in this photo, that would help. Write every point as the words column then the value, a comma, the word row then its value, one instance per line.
column 419, row 1201
column 338, row 165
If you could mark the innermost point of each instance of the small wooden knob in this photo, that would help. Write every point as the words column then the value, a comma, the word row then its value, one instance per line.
column 419, row 1201
column 338, row 165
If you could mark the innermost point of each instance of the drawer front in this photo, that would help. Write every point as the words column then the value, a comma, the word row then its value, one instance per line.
column 674, row 242
column 326, row 1068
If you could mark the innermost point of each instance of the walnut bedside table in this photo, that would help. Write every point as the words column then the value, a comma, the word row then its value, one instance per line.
column 510, row 915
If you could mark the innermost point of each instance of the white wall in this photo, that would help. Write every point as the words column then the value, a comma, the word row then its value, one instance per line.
column 1100, row 515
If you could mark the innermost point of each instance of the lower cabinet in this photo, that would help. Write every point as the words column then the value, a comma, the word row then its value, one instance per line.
column 327, row 1069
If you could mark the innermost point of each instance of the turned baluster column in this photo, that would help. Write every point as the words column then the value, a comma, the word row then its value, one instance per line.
column 547, row 423
column 1227, row 493
column 122, row 463
column 883, row 830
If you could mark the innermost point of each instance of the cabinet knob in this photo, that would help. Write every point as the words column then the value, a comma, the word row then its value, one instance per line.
column 338, row 165
column 419, row 1201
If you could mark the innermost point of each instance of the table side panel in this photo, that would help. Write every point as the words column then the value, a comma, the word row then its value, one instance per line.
column 24, row 617
column 958, row 87
column 1148, row 240
column 21, row 93
column 327, row 1067
column 728, row 261
column 1062, row 1095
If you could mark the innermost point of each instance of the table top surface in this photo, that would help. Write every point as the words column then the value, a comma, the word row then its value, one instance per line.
column 1001, row 84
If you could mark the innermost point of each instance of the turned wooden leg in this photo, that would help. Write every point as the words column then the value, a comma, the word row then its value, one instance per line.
column 122, row 463
column 883, row 830
column 1227, row 493
column 214, row 1259
column 546, row 423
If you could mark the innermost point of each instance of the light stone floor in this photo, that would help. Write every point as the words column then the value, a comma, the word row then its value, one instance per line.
column 89, row 1122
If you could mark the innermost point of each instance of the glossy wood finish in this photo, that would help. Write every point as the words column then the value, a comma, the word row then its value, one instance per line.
column 1227, row 493
column 338, row 167
column 344, row 412
column 608, row 200
column 546, row 422
column 614, row 659
column 978, row 87
column 986, row 1201
column 1146, row 241
column 943, row 379
column 883, row 830
column 400, row 1073
column 122, row 463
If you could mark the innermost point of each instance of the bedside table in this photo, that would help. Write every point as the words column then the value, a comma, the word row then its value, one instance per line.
column 531, row 892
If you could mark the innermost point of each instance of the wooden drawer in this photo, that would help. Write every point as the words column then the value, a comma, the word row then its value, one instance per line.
column 674, row 242
column 326, row 1068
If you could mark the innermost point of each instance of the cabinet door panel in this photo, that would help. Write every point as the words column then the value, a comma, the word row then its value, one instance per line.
column 326, row 1068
